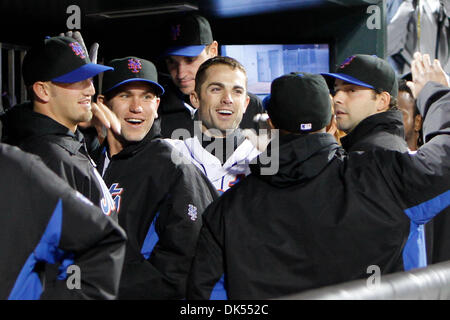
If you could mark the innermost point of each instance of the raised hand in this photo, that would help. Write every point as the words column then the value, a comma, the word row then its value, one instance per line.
column 423, row 70
column 93, row 51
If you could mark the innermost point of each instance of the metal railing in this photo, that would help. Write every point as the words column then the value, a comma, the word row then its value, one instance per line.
column 430, row 283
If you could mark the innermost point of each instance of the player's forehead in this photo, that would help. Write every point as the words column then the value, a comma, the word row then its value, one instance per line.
column 181, row 59
column 221, row 73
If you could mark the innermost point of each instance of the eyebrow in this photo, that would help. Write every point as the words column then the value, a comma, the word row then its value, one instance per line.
column 129, row 92
column 345, row 84
column 220, row 84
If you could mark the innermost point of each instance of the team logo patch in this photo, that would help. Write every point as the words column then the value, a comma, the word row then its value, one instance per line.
column 346, row 62
column 116, row 194
column 77, row 49
column 134, row 65
column 305, row 126
column 192, row 212
column 175, row 30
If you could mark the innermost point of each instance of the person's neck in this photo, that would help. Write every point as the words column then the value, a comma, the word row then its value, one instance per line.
column 213, row 132
column 46, row 111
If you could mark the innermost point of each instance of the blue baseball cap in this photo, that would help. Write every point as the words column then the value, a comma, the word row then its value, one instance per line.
column 59, row 59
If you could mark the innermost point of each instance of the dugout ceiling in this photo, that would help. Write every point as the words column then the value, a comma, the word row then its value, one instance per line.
column 133, row 27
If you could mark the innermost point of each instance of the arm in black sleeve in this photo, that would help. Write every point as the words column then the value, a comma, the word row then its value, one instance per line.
column 208, row 264
column 420, row 182
column 163, row 275
column 83, row 235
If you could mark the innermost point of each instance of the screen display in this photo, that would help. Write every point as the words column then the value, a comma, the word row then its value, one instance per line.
column 265, row 62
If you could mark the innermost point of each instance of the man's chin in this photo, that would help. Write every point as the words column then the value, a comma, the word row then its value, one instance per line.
column 185, row 89
column 85, row 119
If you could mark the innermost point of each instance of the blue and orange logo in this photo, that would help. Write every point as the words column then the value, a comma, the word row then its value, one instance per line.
column 77, row 49
column 134, row 65
column 116, row 194
column 346, row 62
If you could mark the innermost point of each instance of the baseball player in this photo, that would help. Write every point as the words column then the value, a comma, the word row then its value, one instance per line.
column 58, row 74
column 189, row 44
column 159, row 202
column 218, row 148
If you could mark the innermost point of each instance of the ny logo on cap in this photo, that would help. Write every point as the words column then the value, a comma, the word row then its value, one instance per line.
column 176, row 30
column 77, row 49
column 134, row 65
column 347, row 62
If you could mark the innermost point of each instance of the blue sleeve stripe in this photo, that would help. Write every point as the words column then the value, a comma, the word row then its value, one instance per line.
column 150, row 239
column 414, row 252
column 425, row 211
column 28, row 286
column 219, row 292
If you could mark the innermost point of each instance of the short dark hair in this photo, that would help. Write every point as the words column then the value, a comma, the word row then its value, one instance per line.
column 393, row 102
column 228, row 61
column 402, row 86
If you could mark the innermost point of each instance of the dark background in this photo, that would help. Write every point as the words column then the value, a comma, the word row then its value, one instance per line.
column 339, row 23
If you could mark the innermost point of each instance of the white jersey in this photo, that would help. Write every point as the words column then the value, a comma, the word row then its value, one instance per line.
column 221, row 176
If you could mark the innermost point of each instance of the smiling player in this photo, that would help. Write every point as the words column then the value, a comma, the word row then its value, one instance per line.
column 159, row 203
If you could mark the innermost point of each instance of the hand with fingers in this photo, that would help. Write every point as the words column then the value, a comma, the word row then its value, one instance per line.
column 262, row 138
column 77, row 36
column 103, row 119
column 423, row 70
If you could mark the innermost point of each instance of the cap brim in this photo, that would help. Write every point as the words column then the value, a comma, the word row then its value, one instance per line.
column 158, row 87
column 348, row 79
column 185, row 51
column 82, row 73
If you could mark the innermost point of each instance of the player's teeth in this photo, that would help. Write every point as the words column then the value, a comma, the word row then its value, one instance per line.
column 225, row 111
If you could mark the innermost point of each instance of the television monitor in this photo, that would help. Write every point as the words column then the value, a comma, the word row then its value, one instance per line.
column 265, row 62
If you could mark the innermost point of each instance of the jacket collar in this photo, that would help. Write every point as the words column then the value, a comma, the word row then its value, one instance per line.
column 390, row 121
column 133, row 148
column 25, row 123
column 300, row 158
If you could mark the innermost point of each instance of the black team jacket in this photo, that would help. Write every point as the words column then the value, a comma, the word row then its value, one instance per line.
column 385, row 130
column 45, row 222
column 63, row 151
column 381, row 130
column 325, row 216
column 160, row 205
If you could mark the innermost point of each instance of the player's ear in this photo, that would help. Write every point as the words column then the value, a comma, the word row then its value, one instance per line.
column 384, row 98
column 194, row 99
column 213, row 49
column 417, row 122
column 41, row 91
